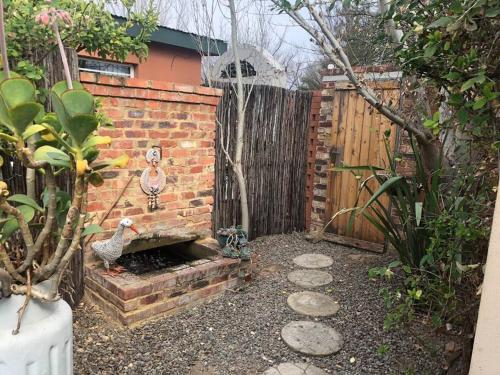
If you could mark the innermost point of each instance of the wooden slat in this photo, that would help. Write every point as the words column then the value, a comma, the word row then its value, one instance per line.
column 346, row 177
column 363, row 226
column 355, row 158
column 274, row 160
column 361, row 136
column 353, row 242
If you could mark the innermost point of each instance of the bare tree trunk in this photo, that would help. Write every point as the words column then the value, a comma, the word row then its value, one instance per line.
column 31, row 177
column 240, row 130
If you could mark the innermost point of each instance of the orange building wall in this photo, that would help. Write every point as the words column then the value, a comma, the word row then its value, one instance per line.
column 166, row 63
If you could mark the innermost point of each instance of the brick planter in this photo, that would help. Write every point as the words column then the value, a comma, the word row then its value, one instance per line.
column 132, row 298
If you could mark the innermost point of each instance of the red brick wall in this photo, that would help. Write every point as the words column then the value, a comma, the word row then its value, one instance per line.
column 178, row 118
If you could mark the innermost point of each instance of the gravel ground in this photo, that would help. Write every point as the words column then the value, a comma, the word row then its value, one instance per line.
column 239, row 332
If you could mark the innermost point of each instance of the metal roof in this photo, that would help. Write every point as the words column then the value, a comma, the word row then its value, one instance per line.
column 166, row 35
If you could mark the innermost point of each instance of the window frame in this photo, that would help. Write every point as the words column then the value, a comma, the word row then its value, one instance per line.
column 116, row 74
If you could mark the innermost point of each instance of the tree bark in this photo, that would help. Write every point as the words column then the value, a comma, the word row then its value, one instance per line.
column 240, row 130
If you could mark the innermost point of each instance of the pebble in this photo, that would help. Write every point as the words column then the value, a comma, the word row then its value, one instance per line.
column 173, row 343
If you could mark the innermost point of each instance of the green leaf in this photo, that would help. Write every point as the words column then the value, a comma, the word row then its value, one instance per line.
column 119, row 162
column 430, row 124
column 12, row 225
column 80, row 127
column 7, row 229
column 16, row 91
column 394, row 263
column 8, row 138
column 78, row 102
column 443, row 21
column 382, row 189
column 418, row 212
column 51, row 119
column 492, row 12
column 32, row 130
column 453, row 76
column 468, row 84
column 28, row 212
column 92, row 229
column 90, row 154
column 5, row 116
column 463, row 116
column 12, row 75
column 58, row 106
column 96, row 179
column 52, row 155
column 62, row 86
column 480, row 103
column 24, row 114
column 24, row 199
column 430, row 50
column 97, row 140
column 345, row 168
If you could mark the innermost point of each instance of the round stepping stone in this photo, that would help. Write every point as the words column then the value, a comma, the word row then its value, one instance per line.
column 312, row 338
column 310, row 278
column 313, row 304
column 313, row 261
column 289, row 368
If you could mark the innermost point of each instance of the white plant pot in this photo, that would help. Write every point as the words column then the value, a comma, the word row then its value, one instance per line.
column 44, row 344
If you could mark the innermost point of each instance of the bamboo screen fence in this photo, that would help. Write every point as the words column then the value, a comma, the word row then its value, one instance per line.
column 274, row 160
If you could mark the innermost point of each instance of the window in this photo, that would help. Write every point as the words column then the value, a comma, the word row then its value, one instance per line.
column 105, row 67
column 247, row 70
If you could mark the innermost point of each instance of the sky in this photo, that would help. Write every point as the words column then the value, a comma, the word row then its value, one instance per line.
column 258, row 24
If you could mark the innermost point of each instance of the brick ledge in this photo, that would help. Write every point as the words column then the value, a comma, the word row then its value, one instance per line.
column 101, row 79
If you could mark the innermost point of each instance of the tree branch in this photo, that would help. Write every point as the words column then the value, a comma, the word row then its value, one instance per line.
column 240, row 130
column 224, row 150
column 23, row 226
column 9, row 267
column 49, row 222
column 333, row 49
column 66, row 234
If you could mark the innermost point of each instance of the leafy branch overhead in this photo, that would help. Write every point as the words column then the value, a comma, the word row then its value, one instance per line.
column 94, row 30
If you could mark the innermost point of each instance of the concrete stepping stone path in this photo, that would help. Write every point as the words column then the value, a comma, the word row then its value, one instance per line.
column 310, row 278
column 289, row 368
column 313, row 261
column 312, row 338
column 312, row 304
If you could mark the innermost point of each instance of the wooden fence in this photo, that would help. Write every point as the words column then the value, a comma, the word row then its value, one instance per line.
column 274, row 160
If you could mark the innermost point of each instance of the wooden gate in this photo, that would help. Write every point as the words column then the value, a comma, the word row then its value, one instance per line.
column 357, row 139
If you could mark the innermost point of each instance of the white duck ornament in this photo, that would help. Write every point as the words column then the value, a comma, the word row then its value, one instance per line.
column 110, row 250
